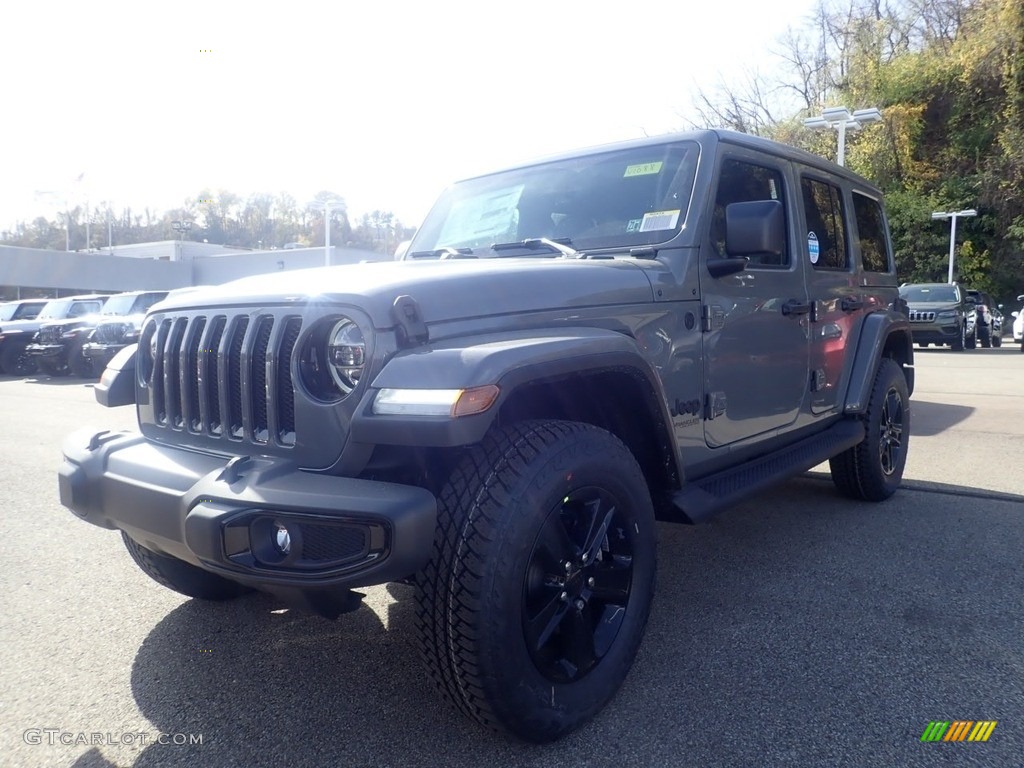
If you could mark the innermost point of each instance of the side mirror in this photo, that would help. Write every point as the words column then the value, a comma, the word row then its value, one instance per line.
column 755, row 227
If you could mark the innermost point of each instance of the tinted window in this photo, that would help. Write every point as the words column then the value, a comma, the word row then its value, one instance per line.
column 826, row 230
column 742, row 182
column 871, row 231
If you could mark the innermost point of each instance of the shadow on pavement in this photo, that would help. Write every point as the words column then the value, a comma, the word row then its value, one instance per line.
column 928, row 419
column 775, row 627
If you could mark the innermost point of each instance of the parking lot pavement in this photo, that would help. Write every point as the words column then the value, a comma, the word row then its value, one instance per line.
column 798, row 629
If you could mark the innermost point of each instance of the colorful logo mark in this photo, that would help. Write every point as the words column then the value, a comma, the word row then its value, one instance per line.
column 959, row 730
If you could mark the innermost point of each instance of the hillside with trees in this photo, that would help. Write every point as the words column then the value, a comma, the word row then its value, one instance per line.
column 948, row 76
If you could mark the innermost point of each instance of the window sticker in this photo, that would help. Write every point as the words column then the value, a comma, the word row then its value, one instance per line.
column 771, row 188
column 812, row 247
column 488, row 217
column 655, row 220
column 642, row 169
column 633, row 225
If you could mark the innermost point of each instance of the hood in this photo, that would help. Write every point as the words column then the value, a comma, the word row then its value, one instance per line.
column 21, row 326
column 933, row 306
column 445, row 290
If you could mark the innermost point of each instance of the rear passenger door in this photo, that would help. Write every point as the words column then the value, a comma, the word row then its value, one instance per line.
column 836, row 299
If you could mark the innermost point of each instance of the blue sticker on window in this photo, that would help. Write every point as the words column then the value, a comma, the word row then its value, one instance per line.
column 812, row 247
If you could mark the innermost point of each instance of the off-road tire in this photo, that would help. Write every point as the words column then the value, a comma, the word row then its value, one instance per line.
column 50, row 368
column 984, row 337
column 970, row 342
column 80, row 365
column 872, row 469
column 501, row 517
column 997, row 340
column 961, row 342
column 180, row 576
column 14, row 361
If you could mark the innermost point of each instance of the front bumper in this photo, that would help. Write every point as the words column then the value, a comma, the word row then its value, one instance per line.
column 101, row 354
column 936, row 334
column 45, row 350
column 222, row 514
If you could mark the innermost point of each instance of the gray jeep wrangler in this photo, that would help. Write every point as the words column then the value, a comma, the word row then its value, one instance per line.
column 568, row 352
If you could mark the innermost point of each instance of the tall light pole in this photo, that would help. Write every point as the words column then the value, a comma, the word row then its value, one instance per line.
column 331, row 204
column 841, row 120
column 953, row 216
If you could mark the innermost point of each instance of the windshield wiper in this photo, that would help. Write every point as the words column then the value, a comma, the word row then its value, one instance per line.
column 443, row 253
column 562, row 245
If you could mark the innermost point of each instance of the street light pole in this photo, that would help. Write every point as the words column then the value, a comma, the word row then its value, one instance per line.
column 953, row 216
column 333, row 204
column 841, row 120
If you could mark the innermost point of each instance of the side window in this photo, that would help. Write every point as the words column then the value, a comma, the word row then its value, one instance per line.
column 871, row 232
column 741, row 182
column 826, row 230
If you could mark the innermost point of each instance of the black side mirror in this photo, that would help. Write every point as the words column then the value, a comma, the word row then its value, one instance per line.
column 755, row 227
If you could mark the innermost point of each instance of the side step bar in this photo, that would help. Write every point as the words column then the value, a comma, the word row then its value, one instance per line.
column 700, row 499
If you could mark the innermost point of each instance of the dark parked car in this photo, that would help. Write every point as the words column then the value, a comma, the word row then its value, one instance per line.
column 16, row 336
column 941, row 313
column 989, row 319
column 59, row 346
column 567, row 352
column 117, row 327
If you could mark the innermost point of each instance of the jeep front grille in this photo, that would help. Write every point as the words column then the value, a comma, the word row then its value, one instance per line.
column 225, row 376
column 49, row 335
column 111, row 333
column 919, row 316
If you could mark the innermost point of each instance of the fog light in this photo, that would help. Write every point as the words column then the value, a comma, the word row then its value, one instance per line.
column 282, row 539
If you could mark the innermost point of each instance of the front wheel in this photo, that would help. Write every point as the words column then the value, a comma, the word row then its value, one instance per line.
column 997, row 340
column 537, row 595
column 15, row 361
column 180, row 576
column 873, row 469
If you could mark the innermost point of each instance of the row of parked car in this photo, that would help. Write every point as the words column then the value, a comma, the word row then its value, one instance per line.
column 73, row 335
column 961, row 318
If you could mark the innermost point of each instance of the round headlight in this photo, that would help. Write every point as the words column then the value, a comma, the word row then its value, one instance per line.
column 346, row 354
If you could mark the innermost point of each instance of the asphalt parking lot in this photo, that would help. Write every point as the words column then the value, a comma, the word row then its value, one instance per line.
column 798, row 629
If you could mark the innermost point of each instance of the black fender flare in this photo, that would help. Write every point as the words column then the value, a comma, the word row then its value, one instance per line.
column 507, row 359
column 884, row 333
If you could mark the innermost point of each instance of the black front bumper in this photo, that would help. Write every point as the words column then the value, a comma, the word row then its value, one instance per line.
column 47, row 351
column 222, row 514
column 101, row 354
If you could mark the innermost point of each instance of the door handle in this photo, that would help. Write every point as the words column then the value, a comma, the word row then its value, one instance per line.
column 794, row 307
column 851, row 303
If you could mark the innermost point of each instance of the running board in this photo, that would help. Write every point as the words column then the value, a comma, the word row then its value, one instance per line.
column 700, row 499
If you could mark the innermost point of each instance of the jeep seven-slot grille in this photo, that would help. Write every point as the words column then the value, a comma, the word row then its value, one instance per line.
column 49, row 335
column 226, row 376
column 111, row 333
column 920, row 316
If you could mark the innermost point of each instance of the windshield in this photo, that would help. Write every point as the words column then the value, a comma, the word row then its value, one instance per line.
column 915, row 293
column 622, row 199
column 132, row 303
column 55, row 309
column 18, row 311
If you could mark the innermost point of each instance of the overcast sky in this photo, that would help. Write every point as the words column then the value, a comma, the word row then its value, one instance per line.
column 383, row 103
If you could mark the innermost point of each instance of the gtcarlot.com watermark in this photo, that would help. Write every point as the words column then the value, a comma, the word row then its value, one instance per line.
column 54, row 736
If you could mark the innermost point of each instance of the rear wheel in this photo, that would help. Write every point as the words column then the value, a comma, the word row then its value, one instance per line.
column 873, row 469
column 537, row 595
column 180, row 576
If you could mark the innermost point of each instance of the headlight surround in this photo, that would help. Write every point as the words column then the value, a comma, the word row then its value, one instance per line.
column 949, row 314
column 148, row 340
column 333, row 358
column 346, row 354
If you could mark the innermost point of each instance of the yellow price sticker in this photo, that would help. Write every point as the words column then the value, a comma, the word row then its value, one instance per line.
column 642, row 169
